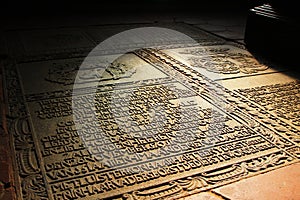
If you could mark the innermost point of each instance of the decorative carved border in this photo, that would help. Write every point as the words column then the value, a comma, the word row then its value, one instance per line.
column 30, row 177
column 211, row 179
column 238, row 105
column 32, row 181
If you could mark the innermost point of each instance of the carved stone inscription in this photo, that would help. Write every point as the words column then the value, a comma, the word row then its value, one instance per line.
column 146, row 139
column 190, row 139
column 145, row 133
column 280, row 99
column 220, row 62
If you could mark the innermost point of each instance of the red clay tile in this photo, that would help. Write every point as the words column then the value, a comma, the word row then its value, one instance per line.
column 203, row 196
column 283, row 183
column 7, row 194
column 4, row 172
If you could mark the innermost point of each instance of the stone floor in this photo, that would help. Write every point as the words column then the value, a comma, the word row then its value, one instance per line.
column 282, row 183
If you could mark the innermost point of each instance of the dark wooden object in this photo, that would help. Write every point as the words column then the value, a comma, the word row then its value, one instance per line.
column 272, row 30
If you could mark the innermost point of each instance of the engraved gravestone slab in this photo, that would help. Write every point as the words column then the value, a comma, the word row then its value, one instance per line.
column 160, row 128
column 44, row 44
column 58, row 43
column 100, row 33
column 221, row 61
column 277, row 94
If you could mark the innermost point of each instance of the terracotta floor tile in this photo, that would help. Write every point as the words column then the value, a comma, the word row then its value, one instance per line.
column 280, row 184
column 7, row 195
column 203, row 196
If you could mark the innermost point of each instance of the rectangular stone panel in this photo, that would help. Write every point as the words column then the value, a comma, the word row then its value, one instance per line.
column 45, row 44
column 148, row 125
column 277, row 94
column 220, row 62
column 58, row 43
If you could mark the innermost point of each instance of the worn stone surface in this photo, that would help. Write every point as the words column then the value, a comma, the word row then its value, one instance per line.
column 165, row 122
column 57, row 43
